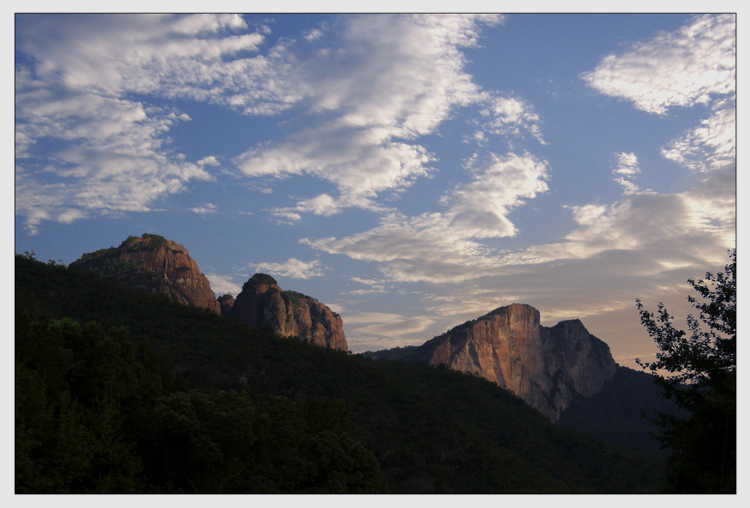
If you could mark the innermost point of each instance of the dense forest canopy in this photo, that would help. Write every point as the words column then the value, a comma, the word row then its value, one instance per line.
column 144, row 394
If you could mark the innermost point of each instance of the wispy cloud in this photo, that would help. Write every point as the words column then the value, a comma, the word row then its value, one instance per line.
column 366, row 101
column 209, row 161
column 323, row 205
column 443, row 247
column 626, row 171
column 204, row 209
column 392, row 80
column 293, row 268
column 376, row 287
column 710, row 146
column 704, row 215
column 221, row 284
column 368, row 328
column 690, row 66
column 73, row 92
column 510, row 116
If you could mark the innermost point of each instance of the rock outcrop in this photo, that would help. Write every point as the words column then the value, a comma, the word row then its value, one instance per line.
column 155, row 264
column 262, row 303
column 544, row 366
column 226, row 302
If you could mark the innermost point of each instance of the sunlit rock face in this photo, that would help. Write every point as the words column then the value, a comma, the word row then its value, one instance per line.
column 544, row 366
column 262, row 303
column 155, row 264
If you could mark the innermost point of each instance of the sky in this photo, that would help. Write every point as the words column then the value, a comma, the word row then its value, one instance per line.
column 412, row 172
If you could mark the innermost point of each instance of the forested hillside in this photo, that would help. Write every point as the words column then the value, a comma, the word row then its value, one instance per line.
column 157, row 396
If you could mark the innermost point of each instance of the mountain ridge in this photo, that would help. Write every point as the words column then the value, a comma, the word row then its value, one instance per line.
column 158, row 265
column 432, row 430
column 546, row 366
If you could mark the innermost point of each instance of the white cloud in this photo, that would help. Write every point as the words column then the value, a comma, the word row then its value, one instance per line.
column 293, row 268
column 510, row 116
column 376, row 287
column 195, row 57
column 95, row 181
column 627, row 164
column 323, row 205
column 209, row 161
column 313, row 34
column 361, row 163
column 432, row 248
column 411, row 249
column 690, row 66
column 368, row 282
column 221, row 284
column 588, row 215
column 73, row 91
column 481, row 207
column 286, row 217
column 708, row 147
column 694, row 65
column 442, row 247
column 703, row 215
column 626, row 170
column 206, row 208
column 390, row 80
column 393, row 79
column 386, row 324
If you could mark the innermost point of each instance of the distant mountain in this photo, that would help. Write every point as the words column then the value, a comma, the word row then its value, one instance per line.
column 154, row 264
column 262, row 303
column 547, row 367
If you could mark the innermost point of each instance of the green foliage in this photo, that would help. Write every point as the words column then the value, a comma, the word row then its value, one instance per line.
column 260, row 278
column 226, row 443
column 294, row 297
column 702, row 381
column 154, row 242
column 97, row 413
column 431, row 430
column 79, row 394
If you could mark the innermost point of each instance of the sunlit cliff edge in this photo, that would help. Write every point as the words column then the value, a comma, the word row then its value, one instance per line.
column 544, row 366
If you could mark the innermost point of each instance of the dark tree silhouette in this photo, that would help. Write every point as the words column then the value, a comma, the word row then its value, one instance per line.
column 701, row 378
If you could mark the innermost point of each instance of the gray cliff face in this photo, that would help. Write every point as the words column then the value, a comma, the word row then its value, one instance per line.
column 544, row 366
column 262, row 303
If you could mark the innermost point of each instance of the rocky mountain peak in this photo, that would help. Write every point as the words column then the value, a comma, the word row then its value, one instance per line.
column 260, row 283
column 262, row 303
column 508, row 346
column 155, row 264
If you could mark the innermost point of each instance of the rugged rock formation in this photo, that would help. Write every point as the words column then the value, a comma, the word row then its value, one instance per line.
column 155, row 264
column 544, row 366
column 226, row 302
column 262, row 303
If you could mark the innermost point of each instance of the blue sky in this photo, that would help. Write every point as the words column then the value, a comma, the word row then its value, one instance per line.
column 410, row 171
